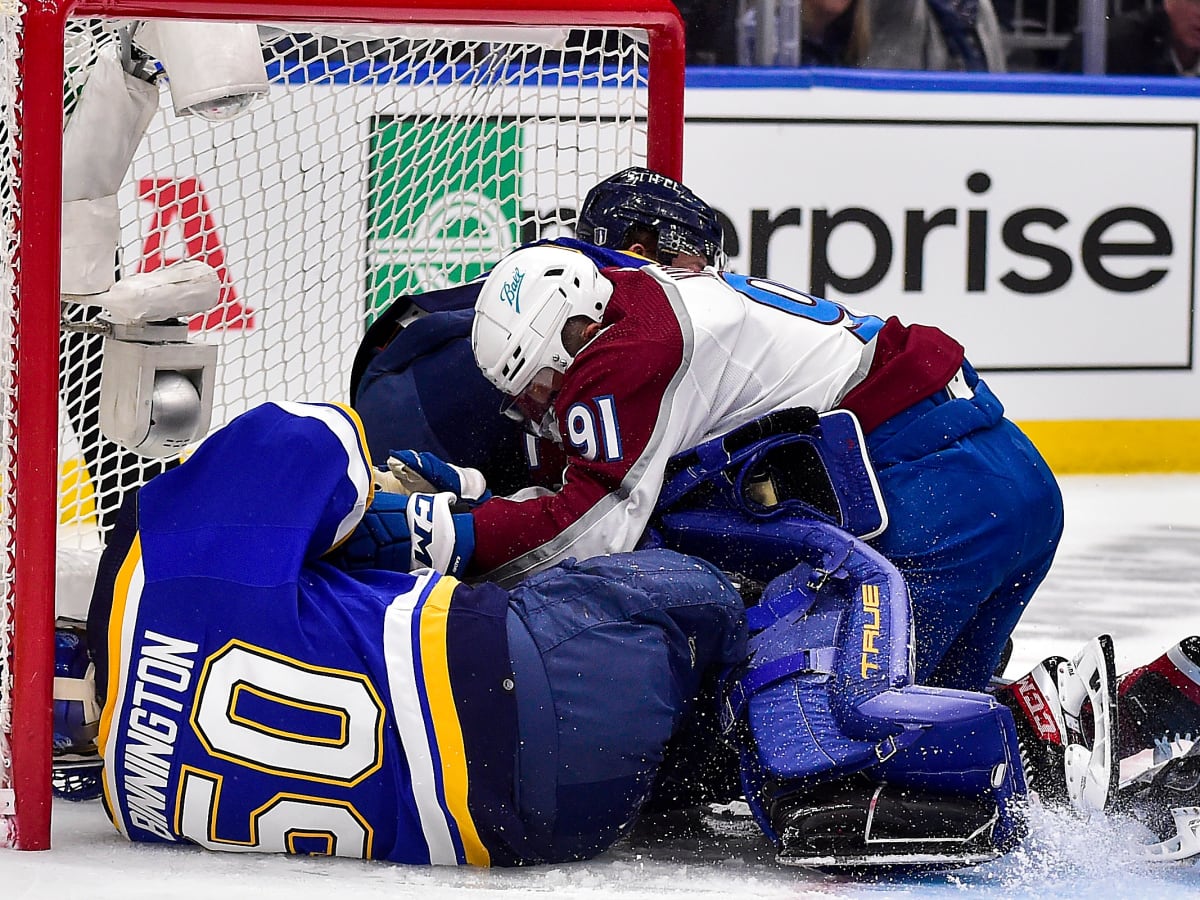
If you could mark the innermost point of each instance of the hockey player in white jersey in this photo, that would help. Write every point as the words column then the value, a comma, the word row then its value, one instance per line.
column 652, row 362
column 961, row 480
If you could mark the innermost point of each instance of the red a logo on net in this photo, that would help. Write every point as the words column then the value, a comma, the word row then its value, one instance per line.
column 181, row 203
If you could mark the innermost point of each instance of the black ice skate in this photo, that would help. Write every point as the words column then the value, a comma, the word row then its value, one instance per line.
column 1160, row 702
column 1167, row 801
column 856, row 824
column 1037, row 712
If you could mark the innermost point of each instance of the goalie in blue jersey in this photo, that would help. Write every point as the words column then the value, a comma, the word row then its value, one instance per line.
column 259, row 698
column 274, row 681
column 261, row 693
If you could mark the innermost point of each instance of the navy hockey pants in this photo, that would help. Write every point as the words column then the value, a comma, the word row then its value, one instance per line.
column 975, row 519
column 608, row 654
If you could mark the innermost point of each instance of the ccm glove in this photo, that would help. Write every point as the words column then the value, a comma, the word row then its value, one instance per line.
column 425, row 473
column 441, row 539
column 401, row 533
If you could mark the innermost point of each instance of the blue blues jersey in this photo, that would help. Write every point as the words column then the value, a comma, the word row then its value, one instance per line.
column 259, row 699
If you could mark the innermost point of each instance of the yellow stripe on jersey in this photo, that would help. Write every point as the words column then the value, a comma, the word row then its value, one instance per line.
column 129, row 581
column 436, row 669
column 363, row 448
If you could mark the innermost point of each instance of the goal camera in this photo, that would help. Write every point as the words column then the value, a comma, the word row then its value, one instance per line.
column 156, row 387
column 215, row 70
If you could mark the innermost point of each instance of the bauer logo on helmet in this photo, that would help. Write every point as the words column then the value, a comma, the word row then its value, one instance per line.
column 510, row 293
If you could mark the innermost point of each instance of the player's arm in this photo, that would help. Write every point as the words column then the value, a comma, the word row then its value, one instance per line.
column 285, row 480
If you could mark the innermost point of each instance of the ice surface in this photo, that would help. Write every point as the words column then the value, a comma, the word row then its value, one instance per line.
column 1129, row 564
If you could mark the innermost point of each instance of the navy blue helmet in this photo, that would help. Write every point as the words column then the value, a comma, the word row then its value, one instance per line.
column 77, row 765
column 76, row 710
column 639, row 197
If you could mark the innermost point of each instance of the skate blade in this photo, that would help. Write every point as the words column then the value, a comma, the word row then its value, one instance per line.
column 1186, row 842
column 891, row 860
column 1092, row 773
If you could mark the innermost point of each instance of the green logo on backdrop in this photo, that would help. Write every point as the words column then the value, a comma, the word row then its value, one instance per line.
column 444, row 203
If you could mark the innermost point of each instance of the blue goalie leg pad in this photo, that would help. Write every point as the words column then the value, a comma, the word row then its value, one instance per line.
column 967, row 747
column 829, row 691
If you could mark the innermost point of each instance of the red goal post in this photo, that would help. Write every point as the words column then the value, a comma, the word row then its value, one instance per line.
column 536, row 130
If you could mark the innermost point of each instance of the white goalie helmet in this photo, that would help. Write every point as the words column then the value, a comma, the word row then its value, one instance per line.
column 522, row 308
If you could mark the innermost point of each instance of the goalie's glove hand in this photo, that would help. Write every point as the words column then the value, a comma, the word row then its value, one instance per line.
column 412, row 472
column 400, row 533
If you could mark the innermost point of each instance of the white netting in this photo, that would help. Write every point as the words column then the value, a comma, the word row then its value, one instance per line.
column 379, row 163
column 376, row 167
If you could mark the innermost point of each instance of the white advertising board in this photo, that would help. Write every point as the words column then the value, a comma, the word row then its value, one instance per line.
column 1051, row 230
column 1053, row 234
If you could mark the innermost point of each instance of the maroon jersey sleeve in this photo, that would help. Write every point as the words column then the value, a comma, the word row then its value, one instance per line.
column 911, row 363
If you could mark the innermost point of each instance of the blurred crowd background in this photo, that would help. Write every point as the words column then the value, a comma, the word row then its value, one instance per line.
column 1118, row 37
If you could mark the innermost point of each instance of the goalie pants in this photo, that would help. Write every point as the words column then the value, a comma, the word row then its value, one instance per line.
column 608, row 657
column 975, row 519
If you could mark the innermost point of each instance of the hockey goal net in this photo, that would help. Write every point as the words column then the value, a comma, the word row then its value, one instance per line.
column 398, row 147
